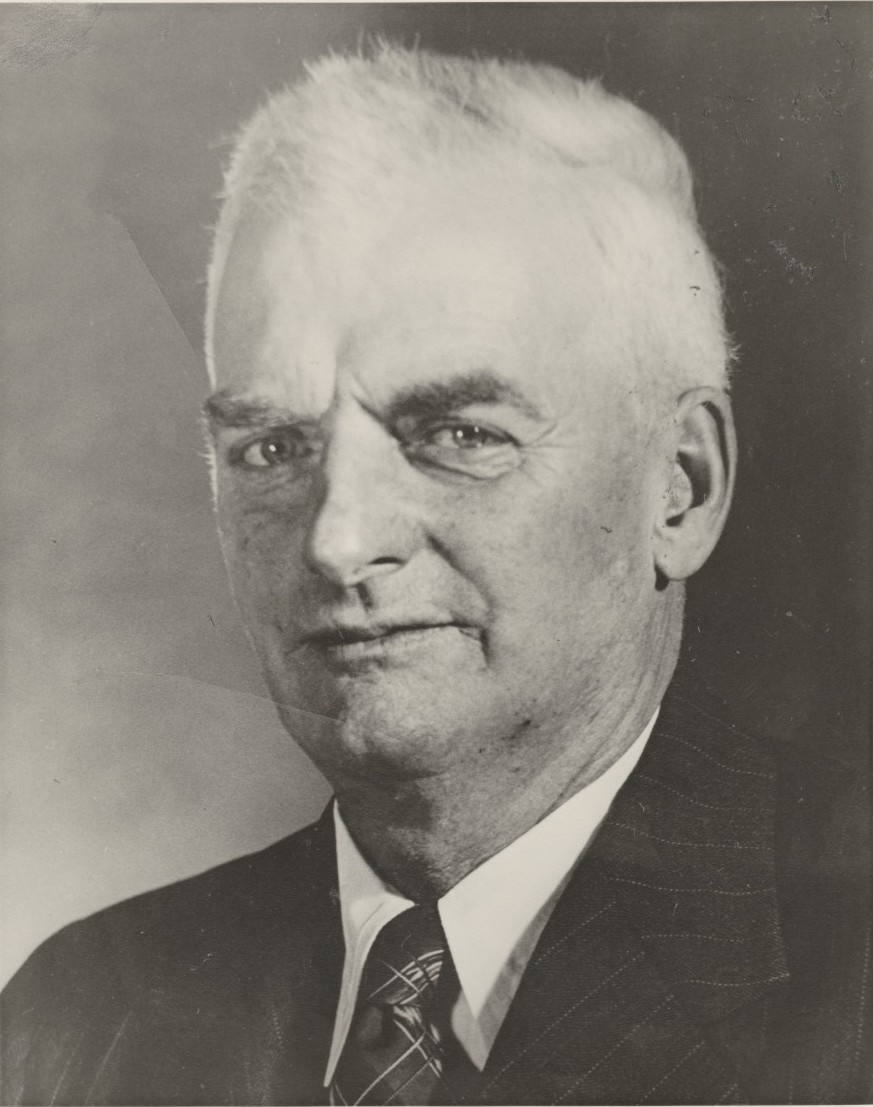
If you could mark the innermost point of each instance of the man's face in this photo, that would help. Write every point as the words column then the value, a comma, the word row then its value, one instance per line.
column 434, row 498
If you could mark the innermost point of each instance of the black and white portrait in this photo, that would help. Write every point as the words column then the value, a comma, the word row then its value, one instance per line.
column 436, row 553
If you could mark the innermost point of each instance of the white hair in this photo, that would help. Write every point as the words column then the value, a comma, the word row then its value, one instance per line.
column 358, row 123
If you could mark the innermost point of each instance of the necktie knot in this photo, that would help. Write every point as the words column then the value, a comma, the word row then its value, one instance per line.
column 396, row 1051
column 404, row 965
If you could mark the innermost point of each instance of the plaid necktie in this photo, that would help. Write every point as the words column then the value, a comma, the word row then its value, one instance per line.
column 400, row 1049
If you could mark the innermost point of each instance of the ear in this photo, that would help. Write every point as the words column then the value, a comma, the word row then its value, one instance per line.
column 698, row 486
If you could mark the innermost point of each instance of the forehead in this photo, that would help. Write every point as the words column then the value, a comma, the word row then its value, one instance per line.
column 459, row 274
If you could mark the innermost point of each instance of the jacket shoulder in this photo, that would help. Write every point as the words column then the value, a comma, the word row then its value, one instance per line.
column 820, row 1046
column 822, row 804
column 166, row 950
column 266, row 888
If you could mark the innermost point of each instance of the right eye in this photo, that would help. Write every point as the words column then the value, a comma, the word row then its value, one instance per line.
column 270, row 451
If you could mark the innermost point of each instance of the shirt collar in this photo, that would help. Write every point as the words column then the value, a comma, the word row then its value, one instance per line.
column 488, row 913
column 494, row 916
column 367, row 904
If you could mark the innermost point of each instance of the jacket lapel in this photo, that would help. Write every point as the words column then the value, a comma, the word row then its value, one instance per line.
column 286, row 1042
column 667, row 927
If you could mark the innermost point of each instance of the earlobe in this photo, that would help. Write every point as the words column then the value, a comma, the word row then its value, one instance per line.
column 698, row 484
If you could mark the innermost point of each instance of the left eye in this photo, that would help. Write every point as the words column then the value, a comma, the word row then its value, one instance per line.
column 272, row 450
column 462, row 436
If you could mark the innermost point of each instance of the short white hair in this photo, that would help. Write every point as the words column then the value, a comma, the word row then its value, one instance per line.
column 357, row 122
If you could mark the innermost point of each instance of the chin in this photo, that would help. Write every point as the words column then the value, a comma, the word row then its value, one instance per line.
column 401, row 730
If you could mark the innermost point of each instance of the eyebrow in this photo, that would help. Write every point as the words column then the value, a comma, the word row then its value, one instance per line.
column 226, row 408
column 442, row 397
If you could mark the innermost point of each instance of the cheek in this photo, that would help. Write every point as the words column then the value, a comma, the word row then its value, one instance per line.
column 608, row 510
column 542, row 548
column 262, row 549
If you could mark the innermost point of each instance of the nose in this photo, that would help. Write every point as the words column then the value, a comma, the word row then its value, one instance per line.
column 361, row 525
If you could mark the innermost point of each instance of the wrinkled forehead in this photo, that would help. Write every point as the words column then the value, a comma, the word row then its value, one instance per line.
column 503, row 265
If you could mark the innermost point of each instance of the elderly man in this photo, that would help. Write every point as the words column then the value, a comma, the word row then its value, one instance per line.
column 470, row 435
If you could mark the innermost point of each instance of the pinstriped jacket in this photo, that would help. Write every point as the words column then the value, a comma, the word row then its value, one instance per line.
column 711, row 947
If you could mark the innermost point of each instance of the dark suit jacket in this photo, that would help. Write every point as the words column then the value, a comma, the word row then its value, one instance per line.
column 710, row 948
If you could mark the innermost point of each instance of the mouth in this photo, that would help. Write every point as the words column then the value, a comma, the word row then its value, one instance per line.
column 350, row 644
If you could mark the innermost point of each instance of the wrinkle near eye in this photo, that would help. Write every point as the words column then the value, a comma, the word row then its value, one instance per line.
column 483, row 463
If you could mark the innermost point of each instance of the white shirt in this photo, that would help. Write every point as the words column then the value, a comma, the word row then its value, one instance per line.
column 492, row 918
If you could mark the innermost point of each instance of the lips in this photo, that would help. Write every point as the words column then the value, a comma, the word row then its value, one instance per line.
column 339, row 636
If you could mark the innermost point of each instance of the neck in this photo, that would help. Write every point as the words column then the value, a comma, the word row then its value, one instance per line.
column 425, row 835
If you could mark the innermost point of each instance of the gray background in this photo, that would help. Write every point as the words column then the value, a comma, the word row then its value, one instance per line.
column 138, row 745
